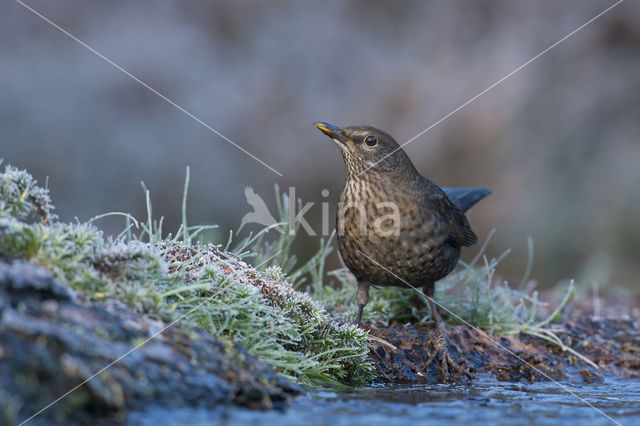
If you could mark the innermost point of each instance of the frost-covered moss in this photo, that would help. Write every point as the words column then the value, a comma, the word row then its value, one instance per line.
column 262, row 311
column 170, row 279
column 79, row 255
column 22, row 198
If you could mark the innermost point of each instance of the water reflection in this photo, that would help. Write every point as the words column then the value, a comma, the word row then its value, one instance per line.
column 483, row 402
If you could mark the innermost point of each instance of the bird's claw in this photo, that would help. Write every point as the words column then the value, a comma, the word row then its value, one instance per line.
column 448, row 368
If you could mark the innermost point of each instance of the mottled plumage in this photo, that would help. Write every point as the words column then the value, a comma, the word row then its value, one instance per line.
column 395, row 227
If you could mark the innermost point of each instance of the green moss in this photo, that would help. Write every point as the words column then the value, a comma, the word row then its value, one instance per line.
column 260, row 310
column 172, row 279
column 22, row 198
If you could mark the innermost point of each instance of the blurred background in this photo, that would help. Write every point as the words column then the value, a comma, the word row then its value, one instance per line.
column 558, row 142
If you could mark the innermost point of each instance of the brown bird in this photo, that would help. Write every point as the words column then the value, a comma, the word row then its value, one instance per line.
column 395, row 227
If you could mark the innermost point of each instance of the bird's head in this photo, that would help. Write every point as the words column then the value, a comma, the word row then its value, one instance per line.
column 366, row 148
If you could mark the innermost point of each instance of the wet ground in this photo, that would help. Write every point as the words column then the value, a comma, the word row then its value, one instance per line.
column 403, row 353
column 505, row 389
column 543, row 403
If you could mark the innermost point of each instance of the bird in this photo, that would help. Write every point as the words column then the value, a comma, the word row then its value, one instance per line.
column 260, row 214
column 394, row 226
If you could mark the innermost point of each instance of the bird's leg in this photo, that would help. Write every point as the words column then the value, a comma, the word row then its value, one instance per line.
column 363, row 298
column 440, row 345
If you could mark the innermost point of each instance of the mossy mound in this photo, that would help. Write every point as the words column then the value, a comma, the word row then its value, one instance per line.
column 156, row 277
column 68, row 360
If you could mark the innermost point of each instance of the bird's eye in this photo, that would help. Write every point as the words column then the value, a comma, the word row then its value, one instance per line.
column 371, row 140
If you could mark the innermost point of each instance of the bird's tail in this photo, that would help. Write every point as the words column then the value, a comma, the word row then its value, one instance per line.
column 465, row 198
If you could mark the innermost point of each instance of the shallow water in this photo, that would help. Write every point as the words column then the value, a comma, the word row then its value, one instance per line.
column 480, row 403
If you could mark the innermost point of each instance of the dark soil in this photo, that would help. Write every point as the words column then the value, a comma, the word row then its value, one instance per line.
column 613, row 345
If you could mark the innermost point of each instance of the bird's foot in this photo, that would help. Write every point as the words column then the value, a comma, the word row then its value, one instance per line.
column 448, row 368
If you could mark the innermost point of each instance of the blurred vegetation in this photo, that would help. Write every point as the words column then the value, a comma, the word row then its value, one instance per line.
column 557, row 142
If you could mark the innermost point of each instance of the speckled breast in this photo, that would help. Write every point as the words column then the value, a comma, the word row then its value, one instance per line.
column 390, row 238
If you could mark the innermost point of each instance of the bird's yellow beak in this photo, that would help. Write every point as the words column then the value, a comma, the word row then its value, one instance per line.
column 333, row 131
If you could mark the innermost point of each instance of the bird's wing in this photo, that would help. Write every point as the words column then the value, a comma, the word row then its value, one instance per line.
column 456, row 223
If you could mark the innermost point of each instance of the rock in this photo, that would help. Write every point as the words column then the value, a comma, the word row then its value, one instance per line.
column 93, row 360
column 23, row 280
